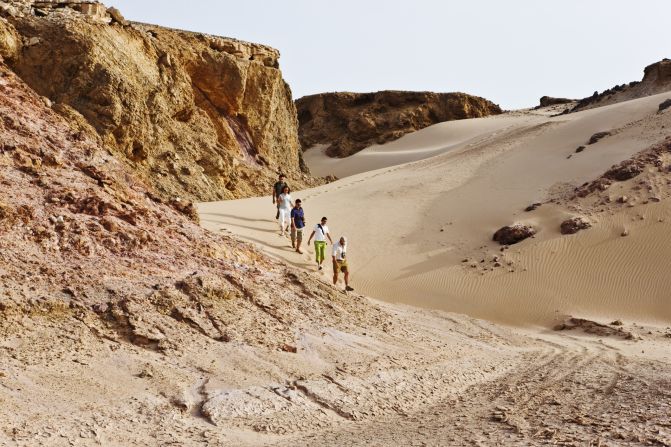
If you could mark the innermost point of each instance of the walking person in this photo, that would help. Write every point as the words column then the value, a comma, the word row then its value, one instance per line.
column 340, row 262
column 278, row 187
column 320, row 233
column 297, row 226
column 285, row 206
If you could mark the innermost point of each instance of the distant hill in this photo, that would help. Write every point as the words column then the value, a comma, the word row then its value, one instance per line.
column 350, row 122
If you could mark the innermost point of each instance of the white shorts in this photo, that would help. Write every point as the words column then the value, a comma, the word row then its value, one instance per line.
column 285, row 217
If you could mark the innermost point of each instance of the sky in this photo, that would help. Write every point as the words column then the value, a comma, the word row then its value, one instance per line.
column 511, row 52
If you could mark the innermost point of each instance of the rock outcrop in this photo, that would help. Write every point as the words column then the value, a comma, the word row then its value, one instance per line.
column 512, row 234
column 656, row 79
column 196, row 116
column 349, row 122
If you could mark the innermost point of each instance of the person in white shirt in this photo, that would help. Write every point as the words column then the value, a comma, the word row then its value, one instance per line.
column 340, row 262
column 320, row 233
column 285, row 206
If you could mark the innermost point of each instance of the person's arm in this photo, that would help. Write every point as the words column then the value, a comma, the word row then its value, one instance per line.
column 273, row 193
column 311, row 236
column 293, row 218
column 328, row 235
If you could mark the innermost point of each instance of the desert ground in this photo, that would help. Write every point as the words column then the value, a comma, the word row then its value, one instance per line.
column 419, row 214
column 131, row 317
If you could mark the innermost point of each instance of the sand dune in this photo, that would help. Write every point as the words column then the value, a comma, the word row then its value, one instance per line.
column 410, row 225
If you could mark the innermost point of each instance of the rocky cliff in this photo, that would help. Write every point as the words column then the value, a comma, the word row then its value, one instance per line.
column 656, row 79
column 196, row 116
column 349, row 122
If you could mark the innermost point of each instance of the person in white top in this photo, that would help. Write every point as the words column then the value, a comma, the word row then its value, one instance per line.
column 285, row 206
column 320, row 233
column 340, row 262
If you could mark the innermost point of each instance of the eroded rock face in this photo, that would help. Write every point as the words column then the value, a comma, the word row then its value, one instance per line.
column 349, row 122
column 512, row 234
column 198, row 117
column 656, row 79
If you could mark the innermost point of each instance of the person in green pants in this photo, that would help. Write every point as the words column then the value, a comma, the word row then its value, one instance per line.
column 320, row 233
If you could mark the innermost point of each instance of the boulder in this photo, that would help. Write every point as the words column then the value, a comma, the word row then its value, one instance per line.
column 512, row 234
column 574, row 224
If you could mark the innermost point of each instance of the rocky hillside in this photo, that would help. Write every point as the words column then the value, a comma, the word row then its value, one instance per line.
column 195, row 116
column 656, row 79
column 349, row 122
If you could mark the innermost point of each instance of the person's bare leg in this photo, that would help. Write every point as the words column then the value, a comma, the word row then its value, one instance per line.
column 346, row 278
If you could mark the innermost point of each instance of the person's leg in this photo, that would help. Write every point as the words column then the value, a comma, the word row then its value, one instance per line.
column 345, row 270
column 320, row 249
column 299, row 240
column 277, row 216
column 335, row 272
column 283, row 220
column 293, row 237
column 317, row 251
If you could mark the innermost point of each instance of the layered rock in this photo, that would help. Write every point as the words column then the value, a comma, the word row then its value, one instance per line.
column 196, row 116
column 656, row 79
column 349, row 122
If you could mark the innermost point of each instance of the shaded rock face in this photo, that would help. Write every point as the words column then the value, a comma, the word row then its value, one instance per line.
column 656, row 79
column 196, row 116
column 349, row 122
column 574, row 224
column 513, row 234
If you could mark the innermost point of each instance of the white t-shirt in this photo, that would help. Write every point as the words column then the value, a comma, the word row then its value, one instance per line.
column 339, row 251
column 285, row 201
column 319, row 234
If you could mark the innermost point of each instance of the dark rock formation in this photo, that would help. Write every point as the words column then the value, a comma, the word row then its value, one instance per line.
column 624, row 171
column 656, row 79
column 574, row 224
column 547, row 101
column 596, row 137
column 349, row 122
column 532, row 207
column 665, row 105
column 513, row 234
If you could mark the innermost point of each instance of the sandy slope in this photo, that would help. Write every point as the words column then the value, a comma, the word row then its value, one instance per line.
column 411, row 225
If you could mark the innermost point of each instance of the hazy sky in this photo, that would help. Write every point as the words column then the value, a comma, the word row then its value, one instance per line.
column 511, row 52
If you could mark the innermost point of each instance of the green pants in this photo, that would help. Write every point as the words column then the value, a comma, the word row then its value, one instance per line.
column 320, row 248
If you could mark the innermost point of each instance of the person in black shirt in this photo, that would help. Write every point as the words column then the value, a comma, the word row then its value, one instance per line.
column 278, row 187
